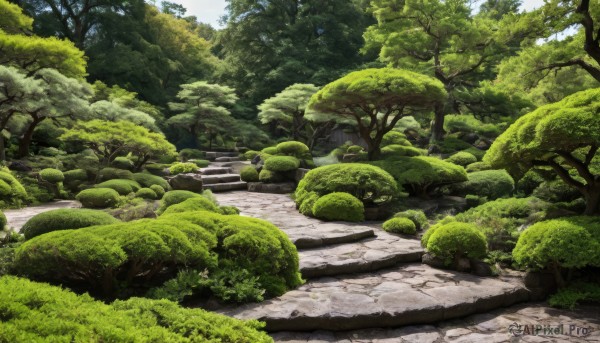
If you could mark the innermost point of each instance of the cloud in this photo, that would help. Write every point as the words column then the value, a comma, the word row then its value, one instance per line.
column 207, row 11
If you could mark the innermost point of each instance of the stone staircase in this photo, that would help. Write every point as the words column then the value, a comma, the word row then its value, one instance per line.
column 361, row 277
column 221, row 179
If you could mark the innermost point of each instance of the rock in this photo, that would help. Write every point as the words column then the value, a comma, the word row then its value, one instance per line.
column 480, row 268
column 19, row 166
column 483, row 144
column 470, row 137
column 300, row 173
column 275, row 188
column 433, row 150
column 462, row 264
column 541, row 284
column 433, row 261
column 189, row 182
column 256, row 159
column 372, row 213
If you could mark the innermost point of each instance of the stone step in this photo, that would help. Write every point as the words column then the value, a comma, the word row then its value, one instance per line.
column 228, row 186
column 404, row 295
column 215, row 170
column 212, row 155
column 326, row 234
column 370, row 255
column 227, row 159
column 220, row 178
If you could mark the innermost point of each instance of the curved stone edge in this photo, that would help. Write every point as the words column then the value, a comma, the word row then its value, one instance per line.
column 317, row 242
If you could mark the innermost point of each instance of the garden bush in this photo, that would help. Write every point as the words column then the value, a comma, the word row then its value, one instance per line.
column 282, row 163
column 339, row 206
column 467, row 123
column 12, row 193
column 156, row 168
column 453, row 240
column 114, row 173
column 75, row 175
column 146, row 193
column 560, row 244
column 293, row 148
column 462, row 158
column 122, row 186
column 122, row 163
column 251, row 154
column 395, row 138
column 451, row 145
column 3, row 221
column 355, row 149
column 51, row 152
column 158, row 190
column 190, row 154
column 422, row 175
column 478, row 166
column 183, row 168
column 193, row 204
column 148, row 180
column 175, row 197
column 393, row 151
column 475, row 152
column 268, row 176
column 249, row 174
column 575, row 293
column 492, row 184
column 68, row 317
column 306, row 208
column 400, row 225
column 418, row 217
column 200, row 163
column 556, row 191
column 86, row 160
column 229, row 210
column 52, row 175
column 529, row 182
column 65, row 219
column 367, row 183
column 98, row 198
column 270, row 150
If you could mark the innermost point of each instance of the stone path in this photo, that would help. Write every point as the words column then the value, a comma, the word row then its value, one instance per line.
column 17, row 218
column 362, row 278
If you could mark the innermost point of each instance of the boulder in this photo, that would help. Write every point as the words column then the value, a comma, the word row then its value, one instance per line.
column 256, row 159
column 480, row 268
column 540, row 283
column 275, row 188
column 433, row 261
column 483, row 144
column 189, row 182
column 19, row 166
column 470, row 137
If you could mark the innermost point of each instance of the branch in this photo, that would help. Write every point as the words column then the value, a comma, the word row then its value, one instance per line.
column 577, row 164
column 593, row 71
column 562, row 173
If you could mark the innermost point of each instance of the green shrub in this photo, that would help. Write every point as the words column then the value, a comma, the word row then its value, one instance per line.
column 3, row 221
column 200, row 163
column 270, row 150
column 395, row 138
column 339, row 206
column 98, row 198
column 251, row 154
column 556, row 191
column 68, row 317
column 123, row 187
column 453, row 240
column 468, row 123
column 368, row 183
column 122, row 163
column 156, row 168
column 146, row 193
column 114, row 173
column 400, row 225
column 175, row 197
column 148, row 180
column 183, row 168
column 572, row 295
column 65, row 219
column 293, row 148
column 75, row 175
column 306, row 207
column 51, row 152
column 492, row 184
column 529, row 182
column 478, row 166
column 475, row 152
column 422, row 175
column 190, row 154
column 462, row 158
column 354, row 149
column 418, row 217
column 12, row 193
column 393, row 151
column 229, row 210
column 158, row 190
column 86, row 160
column 559, row 244
column 451, row 145
column 52, row 175
column 268, row 176
column 193, row 204
column 282, row 163
column 249, row 174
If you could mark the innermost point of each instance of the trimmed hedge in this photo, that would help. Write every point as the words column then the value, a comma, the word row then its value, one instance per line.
column 98, row 198
column 478, row 166
column 251, row 154
column 175, row 197
column 183, row 168
column 395, row 138
column 270, row 150
column 148, row 180
column 114, row 173
column 12, row 193
column 293, row 148
column 282, row 163
column 65, row 219
column 355, row 149
column 199, row 203
column 122, row 186
column 395, row 150
column 418, row 217
column 306, row 207
column 189, row 154
column 146, row 193
column 75, row 175
column 122, row 163
column 158, row 190
column 3, row 221
column 492, row 184
column 200, row 163
column 400, row 225
column 249, row 174
column 52, row 175
column 268, row 176
column 452, row 240
column 462, row 158
column 339, row 206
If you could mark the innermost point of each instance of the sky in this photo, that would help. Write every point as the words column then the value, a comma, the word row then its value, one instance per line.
column 209, row 11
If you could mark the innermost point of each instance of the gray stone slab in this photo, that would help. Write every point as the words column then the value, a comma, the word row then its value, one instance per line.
column 215, row 170
column 226, row 187
column 220, row 178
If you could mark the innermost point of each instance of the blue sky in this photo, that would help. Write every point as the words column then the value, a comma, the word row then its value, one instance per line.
column 209, row 11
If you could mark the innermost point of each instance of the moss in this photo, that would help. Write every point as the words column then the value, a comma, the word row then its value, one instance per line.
column 492, row 184
column 175, row 197
column 339, row 206
column 306, row 207
column 292, row 148
column 12, row 192
column 478, row 166
column 114, row 173
column 393, row 151
column 193, row 204
column 158, row 190
column 200, row 163
column 98, row 198
column 251, row 154
column 146, row 193
column 65, row 219
column 418, row 217
column 400, row 225
column 75, row 175
column 395, row 138
column 462, row 158
column 52, row 175
column 282, row 164
column 249, row 174
column 268, row 176
column 148, row 180
column 189, row 154
column 122, row 163
column 354, row 149
column 122, row 186
column 269, row 151
column 452, row 240
column 183, row 168
column 3, row 221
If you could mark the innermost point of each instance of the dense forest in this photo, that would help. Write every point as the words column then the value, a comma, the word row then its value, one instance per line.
column 473, row 126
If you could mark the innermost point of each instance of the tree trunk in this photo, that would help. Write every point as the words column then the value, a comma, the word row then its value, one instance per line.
column 556, row 271
column 27, row 136
column 592, row 201
column 2, row 148
column 437, row 126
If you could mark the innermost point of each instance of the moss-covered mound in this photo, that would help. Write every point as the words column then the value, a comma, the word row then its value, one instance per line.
column 65, row 219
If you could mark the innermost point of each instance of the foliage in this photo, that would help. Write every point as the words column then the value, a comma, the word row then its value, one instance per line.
column 158, row 190
column 572, row 295
column 360, row 97
column 492, row 184
column 556, row 191
column 339, row 206
column 400, row 225
column 450, row 145
column 190, row 154
column 282, row 164
column 421, row 175
column 477, row 166
column 12, row 193
column 529, row 182
column 183, row 168
column 66, row 315
column 467, row 123
column 98, row 198
column 146, row 193
column 354, row 149
column 193, row 204
column 452, row 240
column 293, row 148
column 395, row 138
column 122, row 186
column 52, row 175
column 367, row 183
column 390, row 152
column 64, row 219
column 272, row 150
column 3, row 221
column 249, row 174
column 462, row 158
column 122, row 163
column 268, row 176
column 251, row 154
column 175, row 197
column 75, row 175
column 107, row 174
column 200, row 163
column 416, row 216
column 307, row 205
column 563, row 136
column 148, row 180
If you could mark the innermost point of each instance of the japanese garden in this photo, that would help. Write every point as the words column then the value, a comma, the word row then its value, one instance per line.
column 303, row 171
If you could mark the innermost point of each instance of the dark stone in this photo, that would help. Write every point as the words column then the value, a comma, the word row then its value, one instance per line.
column 189, row 182
column 19, row 166
column 300, row 174
column 480, row 268
column 462, row 264
column 433, row 261
column 275, row 188
column 483, row 144
column 433, row 150
column 372, row 213
column 541, row 284
column 470, row 137
column 256, row 159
